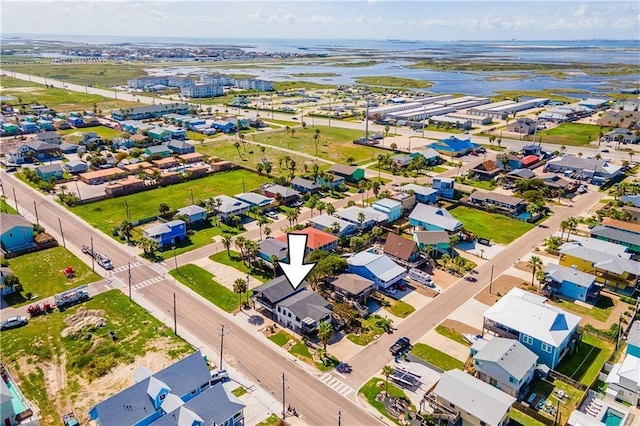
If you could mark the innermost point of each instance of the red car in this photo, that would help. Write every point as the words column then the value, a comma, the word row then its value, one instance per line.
column 401, row 286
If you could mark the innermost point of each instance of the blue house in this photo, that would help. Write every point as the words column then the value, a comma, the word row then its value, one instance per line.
column 333, row 225
column 49, row 171
column 180, row 147
column 167, row 234
column 224, row 126
column 75, row 167
column 544, row 329
column 392, row 208
column 571, row 283
column 444, row 186
column 509, row 162
column 29, row 127
column 16, row 234
column 378, row 268
column 431, row 218
column 331, row 181
column 46, row 124
column 161, row 150
column 273, row 247
column 429, row 154
column 194, row 213
column 176, row 132
column 183, row 393
column 159, row 134
column 432, row 241
column 454, row 147
column 423, row 194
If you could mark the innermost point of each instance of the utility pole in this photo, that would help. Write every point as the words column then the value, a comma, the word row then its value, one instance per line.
column 284, row 387
column 64, row 244
column 129, row 276
column 93, row 256
column 330, row 111
column 15, row 200
column 491, row 280
column 175, row 316
column 339, row 417
column 175, row 258
column 35, row 206
column 126, row 207
column 192, row 200
column 78, row 189
column 221, row 345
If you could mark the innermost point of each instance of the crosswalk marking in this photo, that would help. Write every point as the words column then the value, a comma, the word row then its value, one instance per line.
column 158, row 268
column 125, row 267
column 335, row 384
column 115, row 282
column 146, row 283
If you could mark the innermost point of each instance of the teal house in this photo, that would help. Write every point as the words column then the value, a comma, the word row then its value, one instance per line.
column 17, row 233
column 49, row 171
column 161, row 150
column 351, row 174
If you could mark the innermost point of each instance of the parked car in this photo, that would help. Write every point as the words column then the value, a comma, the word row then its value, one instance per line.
column 389, row 290
column 402, row 345
column 604, row 150
column 272, row 215
column 401, row 286
column 13, row 322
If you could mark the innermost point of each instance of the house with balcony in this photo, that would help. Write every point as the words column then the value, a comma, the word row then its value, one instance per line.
column 430, row 218
column 364, row 218
column 158, row 150
column 429, row 154
column 16, row 233
column 159, row 134
column 178, row 146
column 333, row 225
column 505, row 364
column 167, row 234
column 472, row 401
column 287, row 195
column 229, row 206
column 510, row 162
column 444, row 186
column 623, row 381
column 423, row 194
column 506, row 203
column 15, row 408
column 274, row 291
column 255, row 199
column 378, row 268
column 196, row 214
column 76, row 167
column 486, row 170
column 330, row 181
column 571, row 283
column 403, row 250
column 50, row 171
column 630, row 240
column 389, row 207
column 352, row 288
column 546, row 330
column 430, row 241
column 182, row 393
column 316, row 240
column 303, row 311
column 597, row 170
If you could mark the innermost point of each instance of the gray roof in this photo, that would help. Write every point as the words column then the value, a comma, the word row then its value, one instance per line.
column 10, row 221
column 419, row 189
column 254, row 199
column 157, row 149
column 57, row 167
column 327, row 221
column 351, row 214
column 634, row 199
column 305, row 183
column 578, row 163
column 230, row 204
column 342, row 169
column 76, row 163
column 522, row 173
column 429, row 153
column 435, row 216
column 176, row 143
column 192, row 210
column 603, row 260
column 560, row 274
column 307, row 304
column 497, row 197
column 278, row 289
column 162, row 228
column 285, row 191
column 633, row 338
column 352, row 283
column 509, row 354
column 474, row 396
column 379, row 265
column 273, row 246
column 431, row 237
column 387, row 202
column 616, row 235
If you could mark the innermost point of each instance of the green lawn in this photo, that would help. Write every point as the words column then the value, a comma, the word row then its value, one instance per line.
column 239, row 391
column 280, row 338
column 281, row 122
column 396, row 82
column 547, row 390
column 99, row 75
column 106, row 214
column 496, row 227
column 200, row 235
column 6, row 208
column 481, row 184
column 600, row 310
column 585, row 364
column 451, row 334
column 436, row 357
column 41, row 274
column 400, row 309
column 369, row 333
column 272, row 420
column 101, row 131
column 371, row 389
column 236, row 262
column 334, row 143
column 569, row 134
column 202, row 282
column 518, row 418
column 37, row 348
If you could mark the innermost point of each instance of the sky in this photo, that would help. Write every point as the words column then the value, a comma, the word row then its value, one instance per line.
column 372, row 19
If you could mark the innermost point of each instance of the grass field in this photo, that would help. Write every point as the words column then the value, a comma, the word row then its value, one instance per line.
column 371, row 389
column 600, row 311
column 496, row 227
column 480, row 184
column 202, row 282
column 569, row 134
column 6, row 208
column 400, row 309
column 236, row 262
column 101, row 131
column 518, row 418
column 585, row 364
column 436, row 357
column 335, row 144
column 370, row 333
column 280, row 338
column 37, row 353
column 61, row 100
column 272, row 420
column 41, row 274
column 200, row 235
column 396, row 82
column 106, row 214
column 451, row 334
column 98, row 75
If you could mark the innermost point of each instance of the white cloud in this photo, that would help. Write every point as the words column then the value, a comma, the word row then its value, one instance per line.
column 582, row 10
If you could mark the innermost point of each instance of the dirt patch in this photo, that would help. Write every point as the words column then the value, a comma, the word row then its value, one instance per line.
column 443, row 279
column 22, row 89
column 523, row 266
column 82, row 319
column 460, row 327
column 425, row 291
column 55, row 381
column 499, row 288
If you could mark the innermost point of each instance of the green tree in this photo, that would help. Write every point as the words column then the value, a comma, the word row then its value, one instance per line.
column 239, row 287
column 126, row 227
column 163, row 208
column 262, row 220
column 148, row 245
column 387, row 371
column 226, row 242
column 534, row 263
column 274, row 263
column 325, row 331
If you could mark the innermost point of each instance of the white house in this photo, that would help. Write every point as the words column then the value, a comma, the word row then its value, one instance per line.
column 230, row 206
column 303, row 311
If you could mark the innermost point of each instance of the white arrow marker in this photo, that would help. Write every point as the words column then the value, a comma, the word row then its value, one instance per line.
column 295, row 270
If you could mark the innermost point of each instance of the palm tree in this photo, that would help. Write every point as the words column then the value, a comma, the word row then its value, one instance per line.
column 445, row 260
column 321, row 206
column 240, row 243
column 387, row 371
column 564, row 225
column 291, row 215
column 226, row 242
column 125, row 229
column 361, row 218
column 274, row 262
column 572, row 224
column 316, row 138
column 262, row 220
column 535, row 263
column 453, row 241
column 148, row 245
column 541, row 276
column 239, row 287
column 237, row 145
column 242, row 136
column 267, row 231
column 459, row 166
column 330, row 209
column 312, row 203
column 350, row 160
column 325, row 331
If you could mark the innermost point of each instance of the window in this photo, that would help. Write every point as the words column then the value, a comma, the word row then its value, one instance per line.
column 547, row 348
column 478, row 363
column 193, row 392
column 513, row 380
column 527, row 340
column 162, row 396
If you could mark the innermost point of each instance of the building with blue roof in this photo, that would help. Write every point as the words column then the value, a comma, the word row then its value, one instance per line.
column 183, row 393
column 431, row 218
column 224, row 126
column 423, row 194
column 168, row 233
column 571, row 283
column 454, row 147
column 378, row 268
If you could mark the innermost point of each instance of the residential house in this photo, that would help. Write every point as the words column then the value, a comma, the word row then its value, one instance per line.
column 159, row 134
column 486, row 170
column 224, row 126
column 177, row 133
column 403, row 250
column 316, row 239
column 618, row 236
column 29, row 127
column 633, row 211
column 330, row 181
column 191, row 157
column 50, row 171
column 274, row 291
column 454, row 147
column 391, row 208
column 352, row 288
column 592, row 168
column 273, row 247
column 43, row 151
column 149, row 111
column 556, row 183
column 351, row 174
column 378, row 268
column 101, row 176
column 164, row 163
column 543, row 328
column 423, row 194
column 136, row 168
column 406, row 199
column 432, row 241
column 401, row 160
column 49, row 137
column 571, row 283
column 594, row 104
column 444, row 186
column 333, row 225
column 255, row 199
column 622, row 225
column 623, row 381
column 304, row 185
column 507, row 203
column 524, row 125
column 287, row 195
column 71, row 148
column 431, row 218
column 196, row 214
column 429, row 154
column 229, row 206
column 622, row 135
column 158, row 150
column 303, row 311
column 5, row 272
column 365, row 218
column 16, row 233
column 505, row 364
column 527, row 161
column 476, row 402
column 182, row 393
column 520, row 174
column 633, row 199
column 129, row 185
column 510, row 162
column 15, row 409
column 167, row 234
column 178, row 146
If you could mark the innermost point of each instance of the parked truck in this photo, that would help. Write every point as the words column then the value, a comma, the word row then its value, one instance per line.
column 71, row 297
column 102, row 259
column 401, row 346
